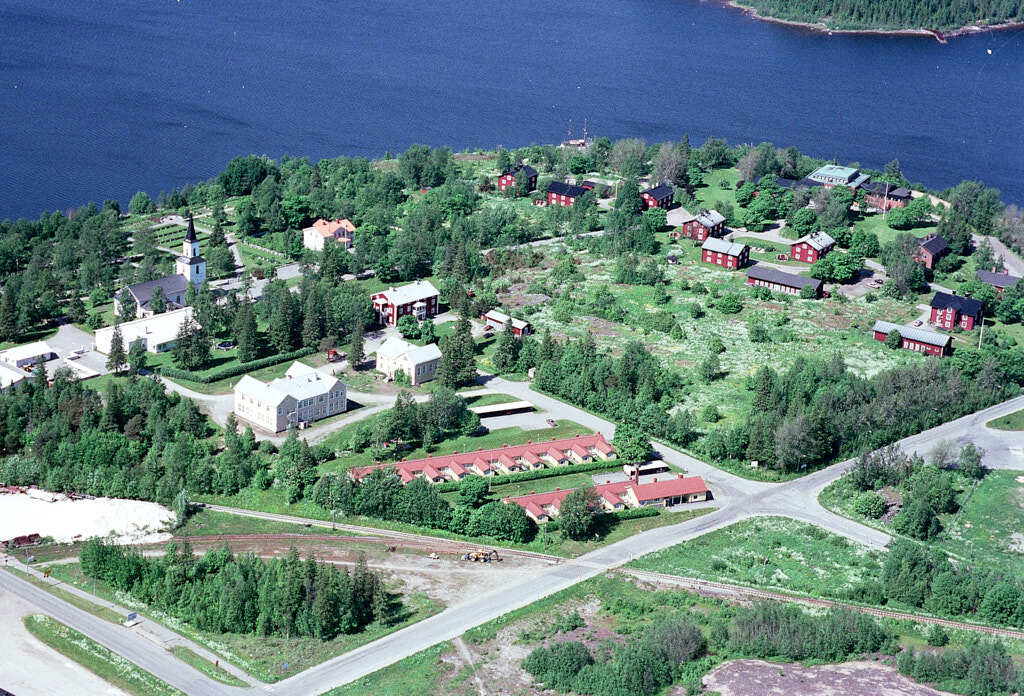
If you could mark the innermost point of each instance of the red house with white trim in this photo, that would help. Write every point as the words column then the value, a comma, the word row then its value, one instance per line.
column 706, row 223
column 731, row 255
column 881, row 195
column 498, row 320
column 560, row 193
column 420, row 299
column 659, row 196
column 951, row 311
column 911, row 338
column 507, row 180
column 811, row 247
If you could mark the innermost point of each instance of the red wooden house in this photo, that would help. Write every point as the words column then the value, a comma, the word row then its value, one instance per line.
column 882, row 195
column 731, row 255
column 507, row 180
column 999, row 281
column 927, row 342
column 779, row 281
column 811, row 247
column 560, row 193
column 498, row 320
column 950, row 311
column 659, row 196
column 706, row 223
column 932, row 248
column 419, row 299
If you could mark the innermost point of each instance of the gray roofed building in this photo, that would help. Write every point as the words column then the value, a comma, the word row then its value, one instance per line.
column 710, row 218
column 660, row 191
column 173, row 286
column 817, row 240
column 774, row 275
column 964, row 305
column 834, row 175
column 721, row 246
column 934, row 244
column 998, row 280
column 911, row 333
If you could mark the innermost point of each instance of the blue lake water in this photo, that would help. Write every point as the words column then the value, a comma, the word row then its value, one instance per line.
column 98, row 100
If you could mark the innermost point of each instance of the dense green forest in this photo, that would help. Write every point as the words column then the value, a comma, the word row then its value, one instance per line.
column 891, row 14
column 224, row 593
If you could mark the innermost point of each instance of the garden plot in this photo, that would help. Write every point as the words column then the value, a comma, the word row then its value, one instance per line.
column 58, row 516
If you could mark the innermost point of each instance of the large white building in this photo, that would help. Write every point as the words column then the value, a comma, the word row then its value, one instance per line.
column 27, row 355
column 302, row 396
column 189, row 268
column 157, row 332
column 419, row 363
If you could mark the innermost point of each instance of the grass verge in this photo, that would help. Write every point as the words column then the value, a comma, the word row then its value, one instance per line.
column 416, row 674
column 206, row 667
column 1012, row 421
column 69, row 597
column 99, row 660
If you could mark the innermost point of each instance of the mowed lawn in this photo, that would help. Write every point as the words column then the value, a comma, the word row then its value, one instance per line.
column 1012, row 421
column 772, row 552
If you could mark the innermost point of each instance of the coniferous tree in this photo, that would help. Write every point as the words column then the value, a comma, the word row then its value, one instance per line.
column 506, row 350
column 356, row 346
column 246, row 336
column 458, row 357
column 137, row 358
column 116, row 358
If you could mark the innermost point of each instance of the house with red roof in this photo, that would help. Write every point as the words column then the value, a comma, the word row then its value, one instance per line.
column 323, row 231
column 581, row 449
column 618, row 495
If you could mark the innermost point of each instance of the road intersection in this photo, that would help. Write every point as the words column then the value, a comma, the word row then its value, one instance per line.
column 738, row 498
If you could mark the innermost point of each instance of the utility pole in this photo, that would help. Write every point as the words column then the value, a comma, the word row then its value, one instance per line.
column 982, row 332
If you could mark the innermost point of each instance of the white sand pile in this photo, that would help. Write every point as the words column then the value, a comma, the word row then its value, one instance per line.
column 129, row 521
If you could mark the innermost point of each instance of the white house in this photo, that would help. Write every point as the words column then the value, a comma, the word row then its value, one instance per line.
column 419, row 363
column 156, row 332
column 326, row 231
column 302, row 396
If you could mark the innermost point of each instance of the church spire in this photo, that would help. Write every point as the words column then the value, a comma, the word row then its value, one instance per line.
column 190, row 236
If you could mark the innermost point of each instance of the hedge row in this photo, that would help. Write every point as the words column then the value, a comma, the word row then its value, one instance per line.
column 235, row 370
column 618, row 515
column 547, row 472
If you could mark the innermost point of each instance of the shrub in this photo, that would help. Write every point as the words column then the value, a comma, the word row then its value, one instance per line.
column 869, row 504
column 557, row 666
column 937, row 636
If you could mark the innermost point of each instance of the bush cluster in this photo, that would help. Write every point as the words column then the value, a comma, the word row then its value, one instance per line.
column 234, row 370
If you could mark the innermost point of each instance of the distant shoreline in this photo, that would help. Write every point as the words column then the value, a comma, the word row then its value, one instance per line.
column 940, row 36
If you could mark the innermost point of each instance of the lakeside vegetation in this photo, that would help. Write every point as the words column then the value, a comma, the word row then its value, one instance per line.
column 890, row 14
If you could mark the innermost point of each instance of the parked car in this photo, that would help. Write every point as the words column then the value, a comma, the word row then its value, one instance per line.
column 552, row 422
column 226, row 345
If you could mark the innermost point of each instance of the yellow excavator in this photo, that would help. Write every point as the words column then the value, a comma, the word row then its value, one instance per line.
column 481, row 556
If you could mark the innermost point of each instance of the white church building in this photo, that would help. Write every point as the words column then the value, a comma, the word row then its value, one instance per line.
column 189, row 267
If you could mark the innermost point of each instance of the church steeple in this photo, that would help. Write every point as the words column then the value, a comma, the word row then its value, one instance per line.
column 190, row 264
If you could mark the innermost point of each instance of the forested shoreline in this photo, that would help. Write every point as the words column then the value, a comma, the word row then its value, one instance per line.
column 886, row 15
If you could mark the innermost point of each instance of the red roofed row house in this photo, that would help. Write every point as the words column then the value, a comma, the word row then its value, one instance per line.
column 507, row 180
column 500, row 460
column 731, row 255
column 706, row 223
column 811, row 247
column 659, row 196
column 541, row 507
column 419, row 299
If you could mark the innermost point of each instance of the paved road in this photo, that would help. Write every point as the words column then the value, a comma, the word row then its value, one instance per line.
column 1014, row 264
column 144, row 653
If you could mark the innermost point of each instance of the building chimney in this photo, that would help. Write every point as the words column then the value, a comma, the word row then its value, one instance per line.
column 533, row 492
column 681, row 475
column 655, row 480
column 557, row 489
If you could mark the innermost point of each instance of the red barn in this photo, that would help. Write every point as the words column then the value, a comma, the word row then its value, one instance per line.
column 779, row 281
column 563, row 194
column 499, row 319
column 950, row 311
column 811, row 247
column 507, row 180
column 731, row 255
column 927, row 342
column 419, row 299
column 932, row 248
column 706, row 223
column 882, row 195
column 659, row 196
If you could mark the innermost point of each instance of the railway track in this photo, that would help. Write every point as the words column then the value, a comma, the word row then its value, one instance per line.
column 730, row 591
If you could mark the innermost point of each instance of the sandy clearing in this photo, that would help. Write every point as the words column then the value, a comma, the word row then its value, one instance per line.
column 746, row 677
column 131, row 521
column 30, row 667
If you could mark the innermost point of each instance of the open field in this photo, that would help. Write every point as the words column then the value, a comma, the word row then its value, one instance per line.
column 988, row 528
column 1014, row 421
column 770, row 552
column 103, row 662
